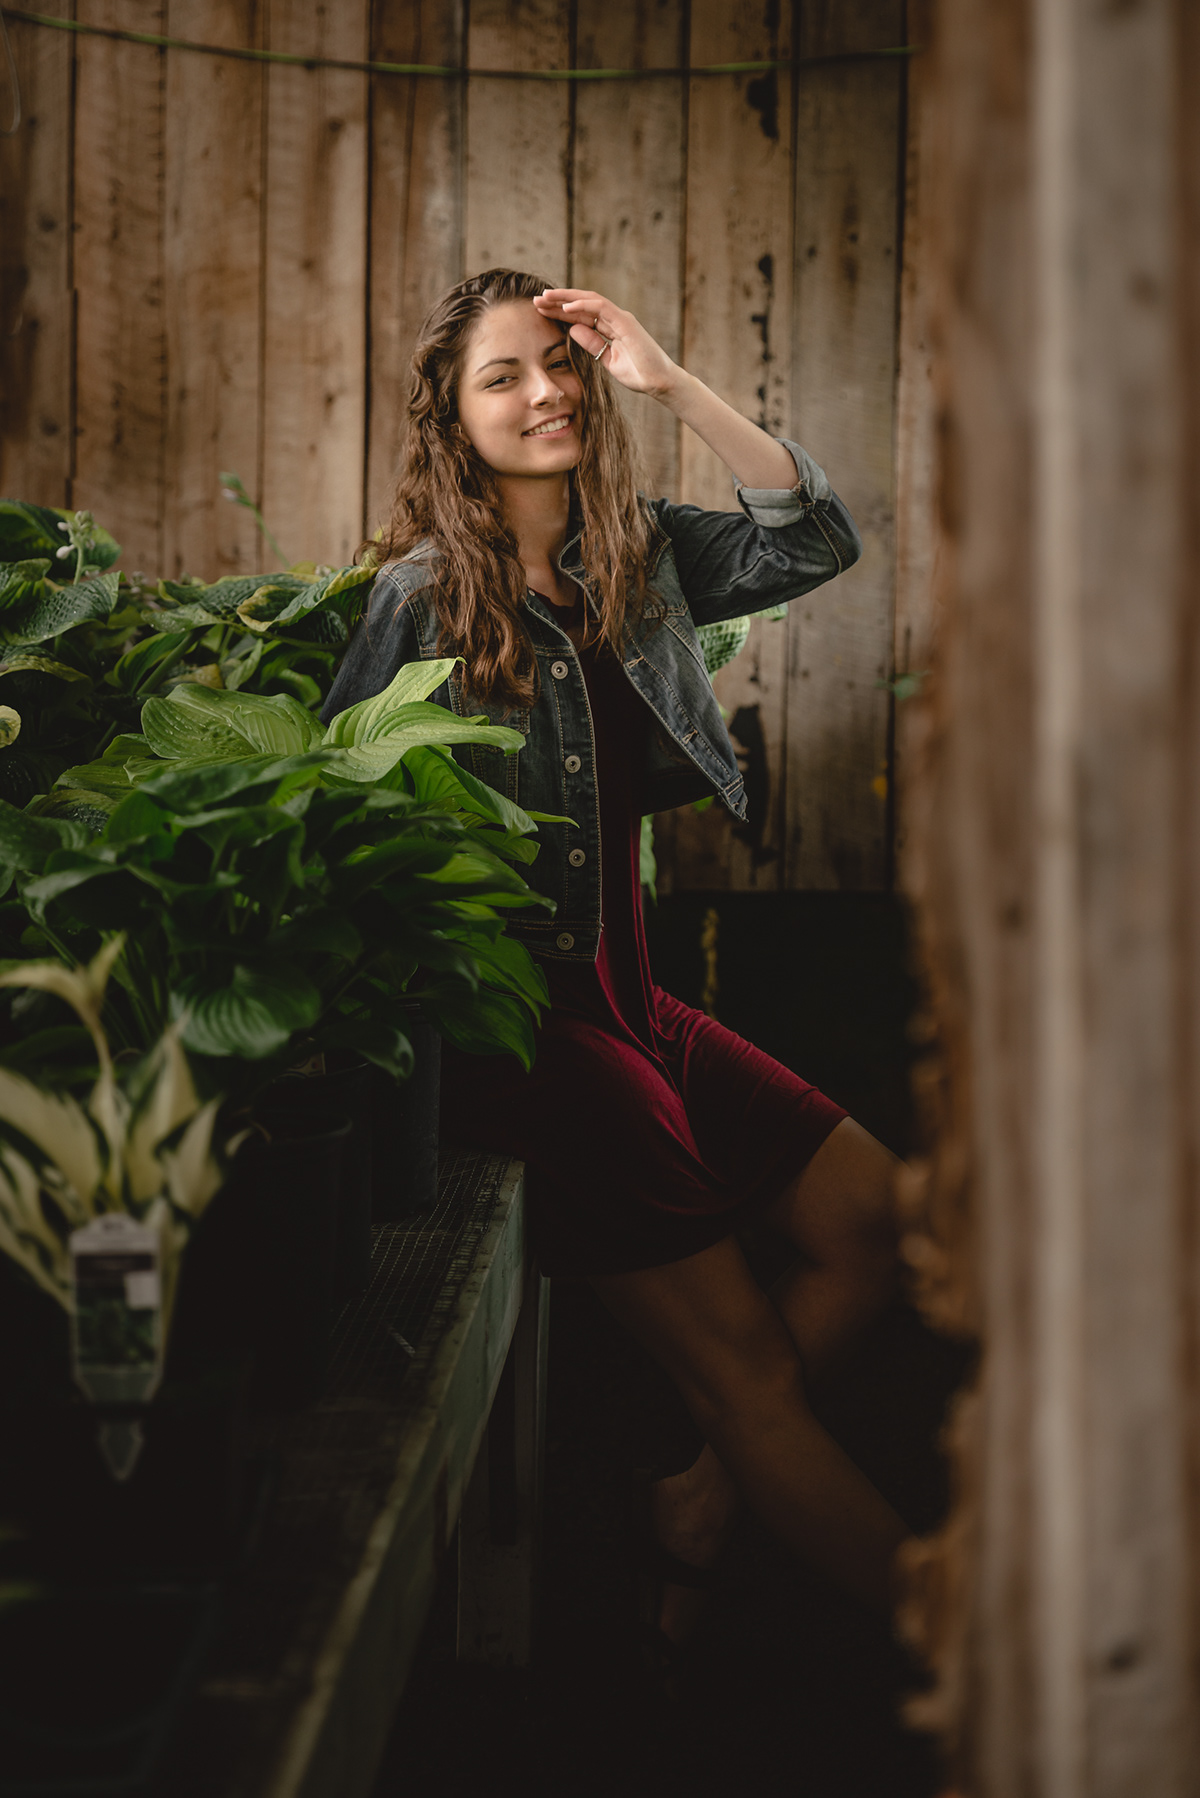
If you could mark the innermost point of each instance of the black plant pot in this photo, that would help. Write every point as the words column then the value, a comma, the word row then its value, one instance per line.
column 264, row 1260
column 351, row 1093
column 405, row 1135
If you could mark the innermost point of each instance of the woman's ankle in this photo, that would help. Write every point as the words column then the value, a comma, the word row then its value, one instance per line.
column 694, row 1513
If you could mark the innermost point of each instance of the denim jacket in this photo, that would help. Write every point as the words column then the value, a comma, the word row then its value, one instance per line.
column 705, row 567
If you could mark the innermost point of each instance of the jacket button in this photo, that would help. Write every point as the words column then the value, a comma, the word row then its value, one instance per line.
column 566, row 940
column 577, row 858
column 572, row 764
column 559, row 670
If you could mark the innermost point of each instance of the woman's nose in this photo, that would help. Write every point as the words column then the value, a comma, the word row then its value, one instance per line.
column 546, row 389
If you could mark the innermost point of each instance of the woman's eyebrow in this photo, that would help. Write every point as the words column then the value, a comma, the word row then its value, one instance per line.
column 512, row 361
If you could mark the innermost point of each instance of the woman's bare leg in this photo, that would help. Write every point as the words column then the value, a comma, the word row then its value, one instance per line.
column 725, row 1345
column 839, row 1214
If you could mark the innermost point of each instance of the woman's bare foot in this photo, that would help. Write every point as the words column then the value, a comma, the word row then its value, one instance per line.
column 692, row 1515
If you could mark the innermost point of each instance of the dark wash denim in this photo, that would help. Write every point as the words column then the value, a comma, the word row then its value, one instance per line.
column 706, row 567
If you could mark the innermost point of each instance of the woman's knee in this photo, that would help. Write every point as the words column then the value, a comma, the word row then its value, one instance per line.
column 842, row 1207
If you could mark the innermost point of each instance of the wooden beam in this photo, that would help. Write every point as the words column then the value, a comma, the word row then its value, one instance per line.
column 36, row 421
column 1056, row 884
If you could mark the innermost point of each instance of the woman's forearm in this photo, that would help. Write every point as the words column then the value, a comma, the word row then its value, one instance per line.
column 754, row 458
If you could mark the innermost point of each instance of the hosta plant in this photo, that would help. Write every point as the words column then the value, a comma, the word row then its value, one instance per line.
column 141, row 1143
column 268, row 912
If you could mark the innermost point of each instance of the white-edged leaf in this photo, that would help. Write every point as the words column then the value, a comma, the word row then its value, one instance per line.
column 361, row 723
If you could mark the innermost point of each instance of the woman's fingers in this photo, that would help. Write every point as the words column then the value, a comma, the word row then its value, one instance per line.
column 576, row 306
column 633, row 356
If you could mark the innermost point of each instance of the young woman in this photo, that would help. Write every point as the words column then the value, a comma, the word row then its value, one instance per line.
column 520, row 543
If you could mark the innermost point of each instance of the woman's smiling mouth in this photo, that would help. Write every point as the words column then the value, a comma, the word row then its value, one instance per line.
column 551, row 426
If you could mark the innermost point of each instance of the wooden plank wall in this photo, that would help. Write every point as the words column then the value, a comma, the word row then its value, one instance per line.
column 216, row 265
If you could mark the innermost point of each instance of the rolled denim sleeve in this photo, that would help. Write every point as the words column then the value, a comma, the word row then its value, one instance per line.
column 775, row 507
column 780, row 543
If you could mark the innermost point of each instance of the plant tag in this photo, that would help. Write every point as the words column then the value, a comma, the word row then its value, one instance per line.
column 116, row 1325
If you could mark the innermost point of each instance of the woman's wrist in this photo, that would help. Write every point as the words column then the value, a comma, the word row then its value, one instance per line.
column 679, row 391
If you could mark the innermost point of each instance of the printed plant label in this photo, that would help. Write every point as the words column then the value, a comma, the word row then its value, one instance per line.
column 116, row 1326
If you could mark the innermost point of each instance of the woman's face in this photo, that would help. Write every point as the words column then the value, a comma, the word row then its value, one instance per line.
column 519, row 400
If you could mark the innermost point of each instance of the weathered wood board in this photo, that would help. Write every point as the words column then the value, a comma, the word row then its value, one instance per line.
column 213, row 289
column 416, row 224
column 315, row 284
column 848, row 172
column 518, row 140
column 628, row 185
column 36, row 326
column 121, row 367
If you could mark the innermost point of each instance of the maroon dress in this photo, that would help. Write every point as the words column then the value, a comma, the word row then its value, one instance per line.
column 648, row 1130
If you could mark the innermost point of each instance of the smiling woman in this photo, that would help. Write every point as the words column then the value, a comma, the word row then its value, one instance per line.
column 520, row 543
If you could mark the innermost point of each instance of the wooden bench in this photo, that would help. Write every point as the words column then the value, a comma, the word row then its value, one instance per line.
column 370, row 1486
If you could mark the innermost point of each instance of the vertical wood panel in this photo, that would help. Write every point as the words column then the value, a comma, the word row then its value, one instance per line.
column 416, row 211
column 314, row 341
column 737, row 338
column 212, row 260
column 627, row 231
column 121, row 338
column 517, row 139
column 35, row 303
column 840, row 638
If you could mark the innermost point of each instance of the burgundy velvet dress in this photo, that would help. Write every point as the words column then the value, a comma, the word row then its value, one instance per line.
column 648, row 1130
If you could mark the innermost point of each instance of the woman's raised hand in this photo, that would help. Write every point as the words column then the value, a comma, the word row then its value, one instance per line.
column 615, row 338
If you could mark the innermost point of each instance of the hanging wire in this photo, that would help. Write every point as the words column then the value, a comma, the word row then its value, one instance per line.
column 14, row 78
column 445, row 71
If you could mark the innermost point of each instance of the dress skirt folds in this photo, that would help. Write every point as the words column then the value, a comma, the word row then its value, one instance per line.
column 648, row 1130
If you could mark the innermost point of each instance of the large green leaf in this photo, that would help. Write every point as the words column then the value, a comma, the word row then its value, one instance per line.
column 254, row 1015
column 195, row 723
column 27, row 530
column 28, row 843
column 482, row 1023
column 60, row 609
column 416, row 726
column 195, row 788
column 21, row 583
column 507, row 964
column 19, row 661
column 439, row 780
column 147, row 659
column 363, row 722
column 278, row 603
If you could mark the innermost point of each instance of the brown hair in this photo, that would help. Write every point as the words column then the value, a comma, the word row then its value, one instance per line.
column 448, row 496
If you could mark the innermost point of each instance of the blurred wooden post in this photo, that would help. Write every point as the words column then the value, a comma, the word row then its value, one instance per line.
column 1052, row 818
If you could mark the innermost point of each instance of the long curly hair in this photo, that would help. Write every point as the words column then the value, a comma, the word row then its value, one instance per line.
column 447, row 496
